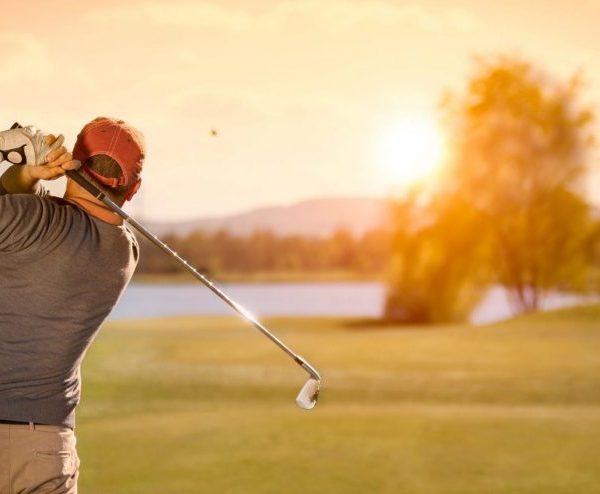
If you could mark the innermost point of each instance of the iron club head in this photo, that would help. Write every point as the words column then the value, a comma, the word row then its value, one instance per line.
column 309, row 394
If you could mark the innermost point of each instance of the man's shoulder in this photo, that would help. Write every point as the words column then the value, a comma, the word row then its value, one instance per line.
column 31, row 204
column 132, row 240
column 24, row 218
column 10, row 202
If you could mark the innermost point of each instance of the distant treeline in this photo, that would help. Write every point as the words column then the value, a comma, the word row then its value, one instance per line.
column 222, row 252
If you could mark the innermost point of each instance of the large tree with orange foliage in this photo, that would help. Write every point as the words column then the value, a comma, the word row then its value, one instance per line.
column 521, row 143
column 509, row 208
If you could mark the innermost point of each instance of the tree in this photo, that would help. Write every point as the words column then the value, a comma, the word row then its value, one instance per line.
column 593, row 251
column 437, row 266
column 521, row 146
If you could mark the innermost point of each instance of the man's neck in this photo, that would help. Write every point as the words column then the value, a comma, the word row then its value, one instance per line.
column 95, row 208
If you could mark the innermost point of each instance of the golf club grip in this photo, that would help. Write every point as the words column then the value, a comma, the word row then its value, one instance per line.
column 86, row 184
column 94, row 191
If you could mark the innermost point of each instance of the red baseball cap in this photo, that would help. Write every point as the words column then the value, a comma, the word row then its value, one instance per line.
column 118, row 140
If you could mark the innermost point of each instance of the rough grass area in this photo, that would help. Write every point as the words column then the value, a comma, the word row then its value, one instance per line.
column 206, row 405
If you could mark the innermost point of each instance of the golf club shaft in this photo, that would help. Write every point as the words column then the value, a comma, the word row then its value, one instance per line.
column 97, row 193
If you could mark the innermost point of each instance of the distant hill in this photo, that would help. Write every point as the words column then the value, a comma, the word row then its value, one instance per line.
column 315, row 217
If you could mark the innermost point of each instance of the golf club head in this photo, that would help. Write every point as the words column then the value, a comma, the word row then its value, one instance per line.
column 309, row 394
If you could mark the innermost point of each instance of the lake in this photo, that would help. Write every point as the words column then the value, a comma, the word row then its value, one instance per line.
column 352, row 299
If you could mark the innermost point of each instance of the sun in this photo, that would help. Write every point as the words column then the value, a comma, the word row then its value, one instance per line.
column 410, row 150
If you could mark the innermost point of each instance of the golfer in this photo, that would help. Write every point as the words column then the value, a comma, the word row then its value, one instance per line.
column 64, row 262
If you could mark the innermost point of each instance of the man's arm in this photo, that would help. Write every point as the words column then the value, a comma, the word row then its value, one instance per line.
column 17, row 180
column 24, row 179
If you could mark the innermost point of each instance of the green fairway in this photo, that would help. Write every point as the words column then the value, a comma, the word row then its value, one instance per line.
column 206, row 405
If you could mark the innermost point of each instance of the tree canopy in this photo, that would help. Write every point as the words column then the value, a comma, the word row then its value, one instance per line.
column 519, row 153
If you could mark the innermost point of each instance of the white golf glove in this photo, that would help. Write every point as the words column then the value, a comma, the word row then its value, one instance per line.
column 25, row 145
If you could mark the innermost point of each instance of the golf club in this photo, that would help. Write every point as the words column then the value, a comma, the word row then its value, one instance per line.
column 307, row 398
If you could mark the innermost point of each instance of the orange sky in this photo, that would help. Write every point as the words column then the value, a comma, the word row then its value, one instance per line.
column 299, row 90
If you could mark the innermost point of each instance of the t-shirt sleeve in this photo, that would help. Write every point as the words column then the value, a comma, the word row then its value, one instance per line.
column 22, row 220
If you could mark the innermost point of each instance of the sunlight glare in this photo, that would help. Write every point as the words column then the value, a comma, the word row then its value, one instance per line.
column 411, row 150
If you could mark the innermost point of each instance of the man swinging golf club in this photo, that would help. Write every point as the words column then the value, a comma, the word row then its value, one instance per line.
column 64, row 262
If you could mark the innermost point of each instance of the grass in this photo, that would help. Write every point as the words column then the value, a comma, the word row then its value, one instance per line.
column 194, row 405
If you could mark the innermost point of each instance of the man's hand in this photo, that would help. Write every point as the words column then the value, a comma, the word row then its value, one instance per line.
column 58, row 162
column 23, row 179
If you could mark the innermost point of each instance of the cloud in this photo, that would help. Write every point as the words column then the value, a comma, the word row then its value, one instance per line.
column 345, row 15
column 23, row 57
column 332, row 15
column 192, row 14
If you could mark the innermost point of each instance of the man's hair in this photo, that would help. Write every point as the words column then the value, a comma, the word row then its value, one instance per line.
column 107, row 167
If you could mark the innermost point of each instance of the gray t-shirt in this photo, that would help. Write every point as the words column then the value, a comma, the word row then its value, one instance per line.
column 61, row 273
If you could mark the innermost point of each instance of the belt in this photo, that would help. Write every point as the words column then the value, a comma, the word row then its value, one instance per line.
column 13, row 422
column 32, row 425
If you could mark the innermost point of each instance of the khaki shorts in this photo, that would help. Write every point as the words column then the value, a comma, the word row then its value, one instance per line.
column 38, row 459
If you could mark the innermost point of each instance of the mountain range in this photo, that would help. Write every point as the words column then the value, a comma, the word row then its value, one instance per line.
column 317, row 217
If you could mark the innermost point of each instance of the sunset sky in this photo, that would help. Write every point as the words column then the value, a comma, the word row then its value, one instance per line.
column 302, row 93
